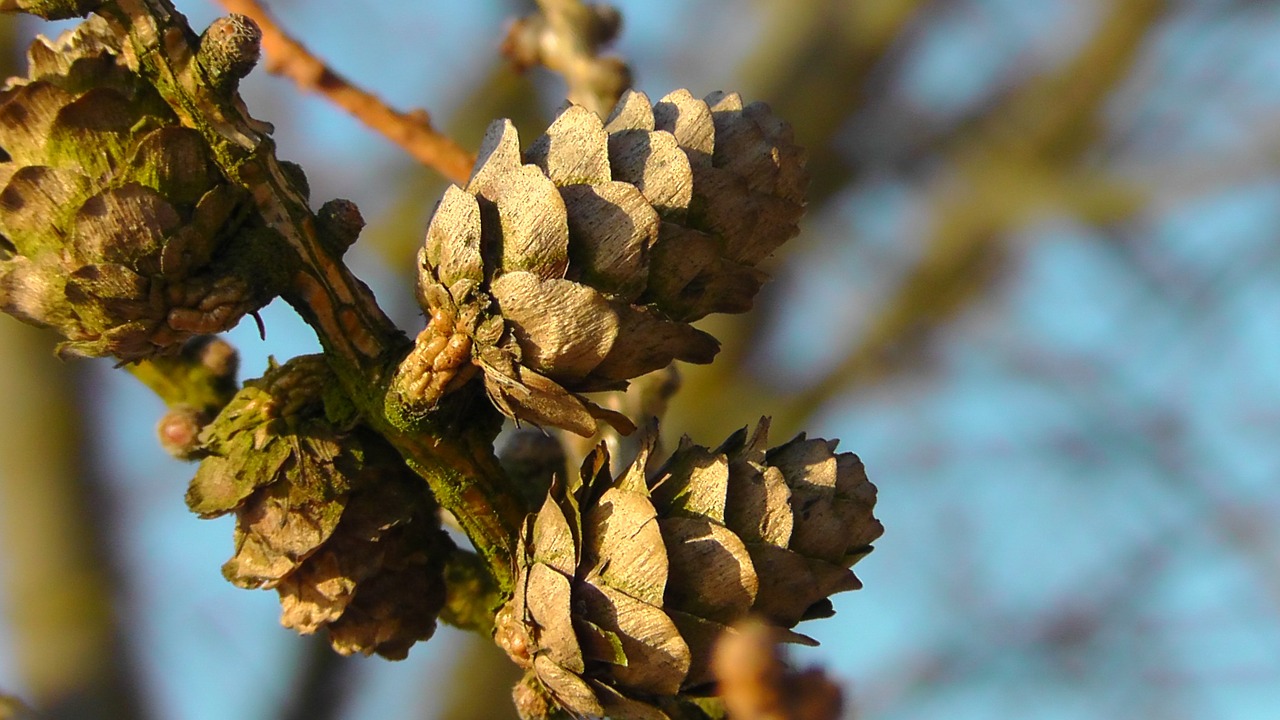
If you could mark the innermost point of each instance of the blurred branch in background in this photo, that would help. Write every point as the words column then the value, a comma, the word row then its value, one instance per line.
column 412, row 130
column 322, row 684
column 818, row 68
column 1025, row 159
column 1027, row 156
column 480, row 680
column 57, row 537
column 11, row 708
column 566, row 36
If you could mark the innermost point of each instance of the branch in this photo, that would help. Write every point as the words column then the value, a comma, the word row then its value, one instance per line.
column 321, row 686
column 1005, row 178
column 566, row 36
column 451, row 449
column 412, row 131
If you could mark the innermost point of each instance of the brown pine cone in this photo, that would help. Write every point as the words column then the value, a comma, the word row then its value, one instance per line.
column 116, row 219
column 623, row 583
column 327, row 515
column 583, row 268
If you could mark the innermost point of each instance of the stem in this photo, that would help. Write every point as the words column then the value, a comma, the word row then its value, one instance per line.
column 361, row 344
column 202, row 376
column 566, row 37
column 471, row 598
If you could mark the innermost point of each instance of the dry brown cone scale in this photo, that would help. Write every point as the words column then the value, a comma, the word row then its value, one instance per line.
column 117, row 228
column 579, row 264
column 624, row 583
column 326, row 512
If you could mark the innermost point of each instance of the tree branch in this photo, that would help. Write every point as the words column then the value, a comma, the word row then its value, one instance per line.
column 451, row 448
column 412, row 131
column 566, row 36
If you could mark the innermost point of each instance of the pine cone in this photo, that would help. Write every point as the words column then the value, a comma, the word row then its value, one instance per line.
column 329, row 517
column 583, row 269
column 115, row 217
column 624, row 583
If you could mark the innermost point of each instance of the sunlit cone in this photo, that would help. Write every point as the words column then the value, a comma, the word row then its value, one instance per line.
column 579, row 265
column 624, row 583
column 327, row 515
column 115, row 218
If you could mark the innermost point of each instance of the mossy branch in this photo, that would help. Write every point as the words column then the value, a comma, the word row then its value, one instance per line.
column 360, row 342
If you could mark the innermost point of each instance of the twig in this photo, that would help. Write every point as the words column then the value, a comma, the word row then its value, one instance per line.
column 566, row 37
column 412, row 131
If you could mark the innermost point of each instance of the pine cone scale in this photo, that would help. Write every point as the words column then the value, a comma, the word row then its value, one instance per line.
column 104, row 181
column 328, row 516
column 634, row 228
column 667, row 560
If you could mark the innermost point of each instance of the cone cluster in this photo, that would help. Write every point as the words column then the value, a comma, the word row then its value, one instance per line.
column 328, row 516
column 579, row 264
column 115, row 218
column 625, row 582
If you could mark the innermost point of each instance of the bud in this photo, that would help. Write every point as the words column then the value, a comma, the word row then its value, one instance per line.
column 624, row 583
column 339, row 222
column 579, row 265
column 117, row 220
column 229, row 48
column 755, row 680
column 217, row 356
column 179, row 431
column 326, row 513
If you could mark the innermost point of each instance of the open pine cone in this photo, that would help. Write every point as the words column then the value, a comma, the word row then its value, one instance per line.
column 583, row 268
column 328, row 516
column 115, row 218
column 624, row 583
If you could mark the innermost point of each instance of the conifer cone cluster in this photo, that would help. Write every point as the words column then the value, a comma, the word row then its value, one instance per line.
column 624, row 583
column 115, row 218
column 327, row 515
column 579, row 265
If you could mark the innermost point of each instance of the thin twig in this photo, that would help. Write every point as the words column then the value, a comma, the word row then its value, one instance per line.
column 566, row 36
column 412, row 131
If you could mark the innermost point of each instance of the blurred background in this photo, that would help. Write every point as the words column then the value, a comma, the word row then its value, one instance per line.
column 1037, row 291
